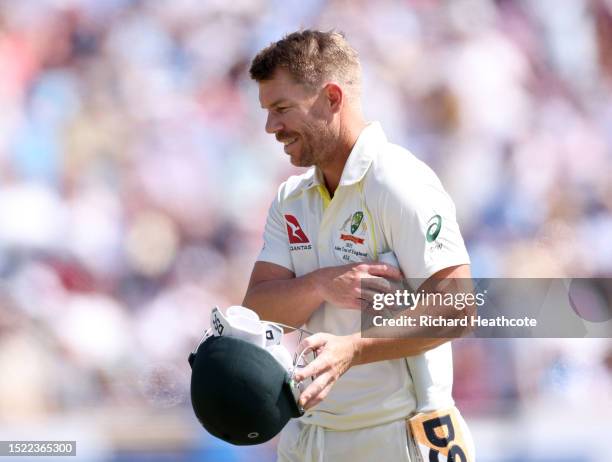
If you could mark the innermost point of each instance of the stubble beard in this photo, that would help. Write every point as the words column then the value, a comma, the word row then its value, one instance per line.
column 318, row 145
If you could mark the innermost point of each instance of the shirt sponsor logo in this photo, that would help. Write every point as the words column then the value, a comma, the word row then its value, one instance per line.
column 434, row 225
column 296, row 234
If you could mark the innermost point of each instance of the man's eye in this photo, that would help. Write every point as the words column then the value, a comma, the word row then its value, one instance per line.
column 282, row 110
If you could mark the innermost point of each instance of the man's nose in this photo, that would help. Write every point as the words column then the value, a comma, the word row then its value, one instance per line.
column 273, row 125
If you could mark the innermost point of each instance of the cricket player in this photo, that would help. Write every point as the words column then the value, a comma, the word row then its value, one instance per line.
column 326, row 230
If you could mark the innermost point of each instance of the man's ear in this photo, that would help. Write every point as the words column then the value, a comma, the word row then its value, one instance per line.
column 335, row 96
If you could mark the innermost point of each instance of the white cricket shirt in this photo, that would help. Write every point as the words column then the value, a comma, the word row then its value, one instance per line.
column 387, row 200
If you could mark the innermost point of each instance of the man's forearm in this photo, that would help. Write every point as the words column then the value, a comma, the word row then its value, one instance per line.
column 369, row 350
column 383, row 343
column 288, row 301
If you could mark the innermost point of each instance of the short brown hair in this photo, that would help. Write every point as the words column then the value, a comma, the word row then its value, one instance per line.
column 310, row 57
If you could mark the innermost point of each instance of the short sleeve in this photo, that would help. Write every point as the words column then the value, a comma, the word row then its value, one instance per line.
column 275, row 241
column 423, row 229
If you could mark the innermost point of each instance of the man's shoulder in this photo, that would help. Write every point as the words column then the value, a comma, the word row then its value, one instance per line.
column 397, row 167
column 295, row 184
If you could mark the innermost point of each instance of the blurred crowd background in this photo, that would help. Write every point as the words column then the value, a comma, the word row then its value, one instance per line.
column 135, row 177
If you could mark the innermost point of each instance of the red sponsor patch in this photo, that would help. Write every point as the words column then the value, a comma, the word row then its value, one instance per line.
column 294, row 231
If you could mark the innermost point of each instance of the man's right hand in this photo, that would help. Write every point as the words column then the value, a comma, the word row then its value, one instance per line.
column 345, row 286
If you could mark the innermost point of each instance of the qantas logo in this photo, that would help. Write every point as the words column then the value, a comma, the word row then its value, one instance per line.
column 294, row 231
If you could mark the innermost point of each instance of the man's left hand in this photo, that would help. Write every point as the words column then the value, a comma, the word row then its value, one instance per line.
column 335, row 355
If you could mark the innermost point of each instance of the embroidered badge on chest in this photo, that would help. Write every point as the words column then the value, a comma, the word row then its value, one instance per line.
column 350, row 244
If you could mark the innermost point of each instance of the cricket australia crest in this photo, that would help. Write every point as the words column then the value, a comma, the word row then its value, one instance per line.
column 351, row 242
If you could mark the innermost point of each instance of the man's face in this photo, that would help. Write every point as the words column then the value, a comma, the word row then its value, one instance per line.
column 300, row 118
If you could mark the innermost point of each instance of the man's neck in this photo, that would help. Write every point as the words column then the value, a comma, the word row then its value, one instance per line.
column 332, row 171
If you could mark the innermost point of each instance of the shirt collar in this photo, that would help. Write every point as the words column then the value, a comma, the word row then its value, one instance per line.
column 363, row 152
